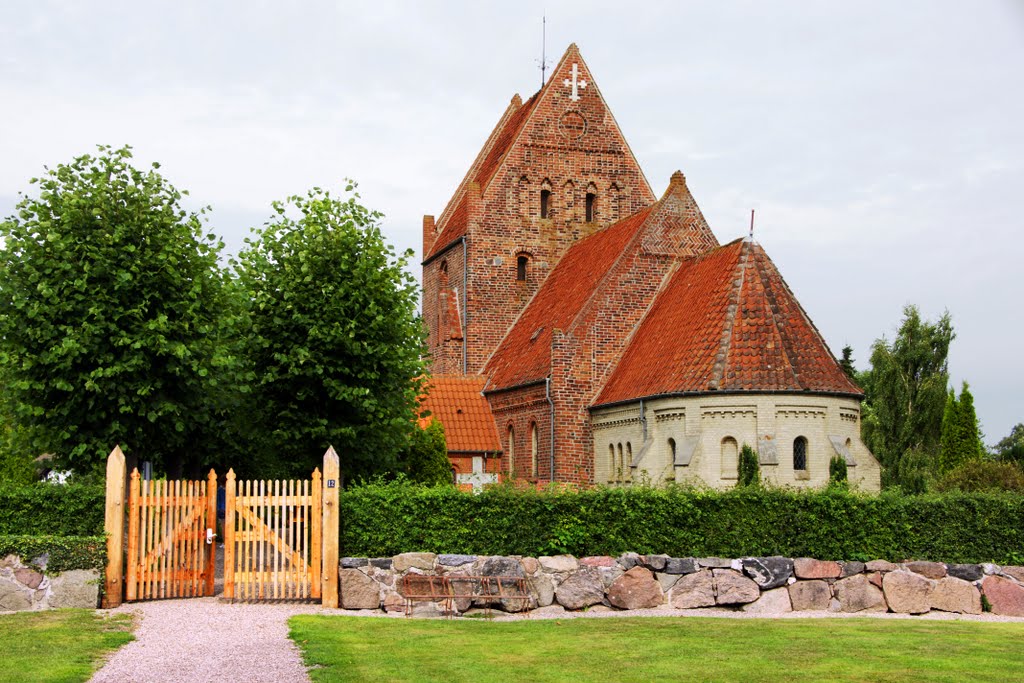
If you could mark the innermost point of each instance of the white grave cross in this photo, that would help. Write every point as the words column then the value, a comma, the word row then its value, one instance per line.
column 577, row 83
column 477, row 478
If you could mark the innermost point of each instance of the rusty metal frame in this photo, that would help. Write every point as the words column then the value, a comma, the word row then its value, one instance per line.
column 448, row 589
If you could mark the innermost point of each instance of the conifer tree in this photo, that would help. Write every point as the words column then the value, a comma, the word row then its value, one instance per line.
column 749, row 467
column 970, row 434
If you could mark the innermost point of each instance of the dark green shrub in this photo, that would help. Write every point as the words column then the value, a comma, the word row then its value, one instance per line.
column 383, row 519
column 58, row 553
column 983, row 475
column 425, row 459
column 837, row 473
column 51, row 509
column 749, row 468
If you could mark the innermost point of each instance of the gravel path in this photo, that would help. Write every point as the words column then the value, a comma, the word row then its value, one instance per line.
column 203, row 639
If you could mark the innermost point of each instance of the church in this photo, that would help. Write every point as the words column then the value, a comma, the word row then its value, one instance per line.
column 583, row 329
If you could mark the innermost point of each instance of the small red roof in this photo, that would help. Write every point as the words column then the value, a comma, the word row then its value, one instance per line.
column 726, row 321
column 460, row 406
column 524, row 354
column 455, row 223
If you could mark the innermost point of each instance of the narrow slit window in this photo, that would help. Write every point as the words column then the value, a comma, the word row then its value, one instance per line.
column 800, row 454
column 521, row 263
column 672, row 449
column 591, row 197
column 545, row 202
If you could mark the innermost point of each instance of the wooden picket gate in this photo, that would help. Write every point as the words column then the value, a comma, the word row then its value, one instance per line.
column 170, row 534
column 280, row 538
column 272, row 539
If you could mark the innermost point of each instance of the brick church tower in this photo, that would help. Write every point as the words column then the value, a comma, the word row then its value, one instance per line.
column 555, row 169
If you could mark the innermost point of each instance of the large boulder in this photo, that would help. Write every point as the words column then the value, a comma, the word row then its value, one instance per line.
column 559, row 564
column 881, row 566
column 807, row 568
column 810, row 595
column 407, row 561
column 852, row 567
column 598, row 561
column 907, row 592
column 856, row 594
column 694, row 590
column 455, row 560
column 501, row 566
column 732, row 588
column 1014, row 572
column 75, row 588
column 581, row 589
column 967, row 572
column 666, row 580
column 956, row 595
column 680, row 565
column 358, row 591
column 774, row 601
column 714, row 562
column 929, row 570
column 768, row 572
column 542, row 590
column 1005, row 595
column 15, row 597
column 655, row 563
column 636, row 589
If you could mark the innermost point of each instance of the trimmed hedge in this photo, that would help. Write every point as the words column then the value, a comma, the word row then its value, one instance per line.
column 43, row 509
column 57, row 553
column 381, row 520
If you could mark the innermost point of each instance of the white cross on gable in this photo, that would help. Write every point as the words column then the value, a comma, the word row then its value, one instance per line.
column 577, row 83
column 477, row 478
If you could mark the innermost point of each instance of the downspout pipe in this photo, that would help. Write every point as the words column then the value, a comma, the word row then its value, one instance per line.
column 465, row 309
column 551, row 403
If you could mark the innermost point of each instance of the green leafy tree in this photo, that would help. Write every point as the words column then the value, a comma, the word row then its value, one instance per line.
column 425, row 459
column 334, row 340
column 983, row 475
column 749, row 467
column 1011, row 447
column 846, row 363
column 110, row 297
column 961, row 440
column 905, row 393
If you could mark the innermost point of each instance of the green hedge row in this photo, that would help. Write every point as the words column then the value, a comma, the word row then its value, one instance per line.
column 57, row 553
column 48, row 509
column 380, row 520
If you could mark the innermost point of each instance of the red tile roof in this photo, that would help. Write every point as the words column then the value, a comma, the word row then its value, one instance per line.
column 726, row 321
column 455, row 223
column 524, row 354
column 460, row 406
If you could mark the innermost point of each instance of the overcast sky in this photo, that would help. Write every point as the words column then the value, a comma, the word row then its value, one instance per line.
column 881, row 143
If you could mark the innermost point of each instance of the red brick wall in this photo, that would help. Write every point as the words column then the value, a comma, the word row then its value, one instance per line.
column 521, row 409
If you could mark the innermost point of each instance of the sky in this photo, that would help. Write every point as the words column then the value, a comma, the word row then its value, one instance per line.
column 881, row 144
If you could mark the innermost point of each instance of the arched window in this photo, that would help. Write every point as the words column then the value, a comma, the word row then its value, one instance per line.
column 611, row 461
column 627, row 467
column 800, row 454
column 730, row 458
column 521, row 263
column 533, row 448
column 545, row 199
column 672, row 449
column 591, row 204
column 511, row 450
column 618, row 466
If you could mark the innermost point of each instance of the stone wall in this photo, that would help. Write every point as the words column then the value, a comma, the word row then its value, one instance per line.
column 23, row 587
column 766, row 585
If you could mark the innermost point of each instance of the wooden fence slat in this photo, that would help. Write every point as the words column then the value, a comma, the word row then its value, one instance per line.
column 229, row 535
column 132, row 588
column 113, row 525
column 315, row 544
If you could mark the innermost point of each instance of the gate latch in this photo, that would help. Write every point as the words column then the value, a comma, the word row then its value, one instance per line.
column 209, row 536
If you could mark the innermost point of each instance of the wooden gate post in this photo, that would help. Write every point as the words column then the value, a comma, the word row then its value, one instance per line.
column 332, row 471
column 211, row 521
column 229, row 536
column 113, row 525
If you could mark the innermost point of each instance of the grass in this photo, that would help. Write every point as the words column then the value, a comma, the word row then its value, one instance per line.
column 656, row 649
column 57, row 645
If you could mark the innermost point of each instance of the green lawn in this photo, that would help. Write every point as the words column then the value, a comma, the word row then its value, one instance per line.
column 57, row 645
column 649, row 649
